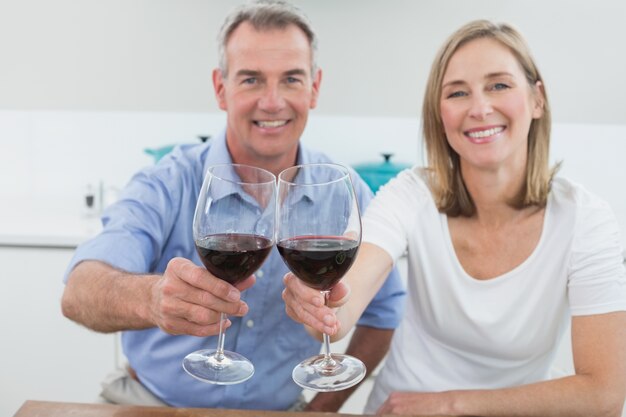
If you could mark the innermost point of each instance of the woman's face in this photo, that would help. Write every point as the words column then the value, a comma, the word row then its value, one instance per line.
column 487, row 106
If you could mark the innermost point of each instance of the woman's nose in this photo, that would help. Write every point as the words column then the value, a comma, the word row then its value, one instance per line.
column 480, row 106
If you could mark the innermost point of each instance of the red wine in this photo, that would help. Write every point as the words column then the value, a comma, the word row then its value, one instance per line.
column 319, row 261
column 232, row 256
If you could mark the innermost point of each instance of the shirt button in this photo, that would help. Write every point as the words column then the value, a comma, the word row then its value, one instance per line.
column 260, row 273
column 250, row 323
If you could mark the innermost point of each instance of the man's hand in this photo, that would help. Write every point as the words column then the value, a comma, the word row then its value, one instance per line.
column 189, row 300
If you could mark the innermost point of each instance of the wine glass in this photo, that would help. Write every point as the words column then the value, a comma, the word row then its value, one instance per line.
column 233, row 230
column 318, row 236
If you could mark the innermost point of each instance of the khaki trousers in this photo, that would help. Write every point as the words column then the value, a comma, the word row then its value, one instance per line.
column 122, row 387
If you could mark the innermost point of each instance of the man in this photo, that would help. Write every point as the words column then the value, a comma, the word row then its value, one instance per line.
column 142, row 275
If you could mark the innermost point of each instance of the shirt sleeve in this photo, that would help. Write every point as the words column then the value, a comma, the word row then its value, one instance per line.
column 597, row 278
column 387, row 307
column 136, row 227
column 393, row 212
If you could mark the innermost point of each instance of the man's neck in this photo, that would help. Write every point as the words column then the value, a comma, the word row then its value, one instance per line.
column 274, row 164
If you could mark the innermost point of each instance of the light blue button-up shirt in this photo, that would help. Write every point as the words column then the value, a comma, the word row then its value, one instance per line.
column 151, row 224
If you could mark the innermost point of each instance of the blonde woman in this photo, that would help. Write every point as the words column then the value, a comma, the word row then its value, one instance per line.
column 503, row 255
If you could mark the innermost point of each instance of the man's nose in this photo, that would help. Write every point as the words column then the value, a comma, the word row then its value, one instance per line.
column 271, row 99
column 480, row 106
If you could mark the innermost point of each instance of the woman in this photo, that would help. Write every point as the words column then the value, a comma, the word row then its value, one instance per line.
column 502, row 255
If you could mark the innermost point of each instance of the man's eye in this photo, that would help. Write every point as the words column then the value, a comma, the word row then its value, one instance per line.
column 250, row 80
column 292, row 80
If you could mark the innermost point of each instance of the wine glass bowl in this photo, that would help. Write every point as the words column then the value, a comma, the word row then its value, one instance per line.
column 318, row 237
column 233, row 231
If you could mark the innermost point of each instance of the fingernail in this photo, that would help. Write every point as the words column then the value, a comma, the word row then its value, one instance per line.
column 243, row 309
column 329, row 320
column 233, row 295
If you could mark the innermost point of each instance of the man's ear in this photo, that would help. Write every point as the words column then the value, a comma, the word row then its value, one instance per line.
column 219, row 87
column 317, row 81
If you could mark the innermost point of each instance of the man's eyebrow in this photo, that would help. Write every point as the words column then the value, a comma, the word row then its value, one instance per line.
column 247, row 73
column 297, row 71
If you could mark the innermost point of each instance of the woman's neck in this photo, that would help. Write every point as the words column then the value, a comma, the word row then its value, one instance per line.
column 492, row 192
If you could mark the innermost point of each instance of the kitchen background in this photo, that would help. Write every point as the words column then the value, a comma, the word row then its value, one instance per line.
column 87, row 85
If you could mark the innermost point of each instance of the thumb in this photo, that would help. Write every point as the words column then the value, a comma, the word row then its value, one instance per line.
column 339, row 295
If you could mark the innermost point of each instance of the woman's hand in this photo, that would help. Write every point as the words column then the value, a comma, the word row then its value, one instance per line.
column 417, row 403
column 306, row 305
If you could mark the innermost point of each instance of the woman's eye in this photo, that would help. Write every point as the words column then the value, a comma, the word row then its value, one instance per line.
column 455, row 94
column 500, row 86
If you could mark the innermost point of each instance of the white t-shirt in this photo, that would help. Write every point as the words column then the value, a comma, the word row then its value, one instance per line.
column 462, row 333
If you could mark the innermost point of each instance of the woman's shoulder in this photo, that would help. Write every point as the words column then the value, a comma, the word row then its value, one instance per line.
column 567, row 192
column 408, row 190
column 415, row 177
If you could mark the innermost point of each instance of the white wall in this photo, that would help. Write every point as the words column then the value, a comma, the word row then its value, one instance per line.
column 51, row 156
column 156, row 55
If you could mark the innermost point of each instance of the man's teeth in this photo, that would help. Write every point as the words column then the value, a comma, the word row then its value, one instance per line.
column 271, row 123
column 485, row 133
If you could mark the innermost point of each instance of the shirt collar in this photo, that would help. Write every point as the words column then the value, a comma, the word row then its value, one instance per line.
column 218, row 154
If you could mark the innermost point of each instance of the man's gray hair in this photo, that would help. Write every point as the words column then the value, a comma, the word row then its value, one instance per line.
column 265, row 15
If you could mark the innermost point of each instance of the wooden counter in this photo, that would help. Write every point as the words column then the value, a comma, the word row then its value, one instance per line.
column 57, row 409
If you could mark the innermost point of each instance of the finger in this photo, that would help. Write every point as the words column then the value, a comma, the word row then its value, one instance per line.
column 304, row 317
column 182, row 327
column 339, row 295
column 246, row 283
column 302, row 292
column 201, row 307
column 179, row 299
column 200, row 278
column 321, row 318
column 300, row 296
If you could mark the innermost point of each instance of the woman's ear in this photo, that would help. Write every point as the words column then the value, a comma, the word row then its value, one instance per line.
column 540, row 100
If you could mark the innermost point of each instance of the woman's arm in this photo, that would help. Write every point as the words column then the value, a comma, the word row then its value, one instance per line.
column 348, row 299
column 597, row 389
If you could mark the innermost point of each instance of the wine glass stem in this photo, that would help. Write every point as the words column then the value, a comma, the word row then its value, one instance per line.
column 328, row 359
column 219, row 353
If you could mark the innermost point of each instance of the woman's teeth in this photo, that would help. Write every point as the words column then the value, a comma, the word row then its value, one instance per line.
column 485, row 133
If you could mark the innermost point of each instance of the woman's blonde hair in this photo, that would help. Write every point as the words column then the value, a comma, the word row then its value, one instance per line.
column 446, row 181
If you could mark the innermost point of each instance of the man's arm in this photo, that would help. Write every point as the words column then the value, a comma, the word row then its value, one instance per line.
column 186, row 299
column 368, row 344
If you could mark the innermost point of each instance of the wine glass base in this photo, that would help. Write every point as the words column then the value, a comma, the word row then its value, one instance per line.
column 316, row 374
column 204, row 366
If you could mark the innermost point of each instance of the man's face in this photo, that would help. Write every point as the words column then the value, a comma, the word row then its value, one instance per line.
column 267, row 93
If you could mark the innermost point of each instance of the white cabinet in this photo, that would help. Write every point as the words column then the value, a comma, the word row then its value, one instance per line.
column 43, row 355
